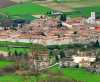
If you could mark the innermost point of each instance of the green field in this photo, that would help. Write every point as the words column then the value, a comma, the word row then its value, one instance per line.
column 84, row 11
column 4, row 64
column 12, row 50
column 20, row 47
column 78, row 74
column 74, row 8
column 14, row 78
column 9, row 47
column 68, row 73
column 5, row 43
column 24, row 10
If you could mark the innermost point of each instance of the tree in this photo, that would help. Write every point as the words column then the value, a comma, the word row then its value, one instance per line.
column 49, row 12
column 63, row 17
column 62, row 54
column 9, row 53
column 97, row 44
column 16, row 53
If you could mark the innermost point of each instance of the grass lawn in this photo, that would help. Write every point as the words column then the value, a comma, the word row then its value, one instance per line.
column 4, row 63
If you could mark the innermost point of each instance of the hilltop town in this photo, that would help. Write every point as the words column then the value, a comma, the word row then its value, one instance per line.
column 49, row 41
column 53, row 31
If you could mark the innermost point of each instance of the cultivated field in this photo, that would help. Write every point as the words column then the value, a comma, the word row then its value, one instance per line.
column 69, row 5
column 73, row 7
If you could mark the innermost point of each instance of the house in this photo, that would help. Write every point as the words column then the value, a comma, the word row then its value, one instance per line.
column 67, row 62
column 40, row 60
column 84, row 60
column 96, row 64
column 84, row 63
column 95, row 67
column 78, row 59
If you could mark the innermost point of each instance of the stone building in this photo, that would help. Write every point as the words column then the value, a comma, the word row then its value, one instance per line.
column 40, row 60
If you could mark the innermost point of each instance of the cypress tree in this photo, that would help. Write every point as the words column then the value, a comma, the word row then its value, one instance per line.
column 63, row 17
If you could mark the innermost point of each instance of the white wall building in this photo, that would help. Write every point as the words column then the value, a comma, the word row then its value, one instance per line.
column 78, row 59
column 92, row 18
